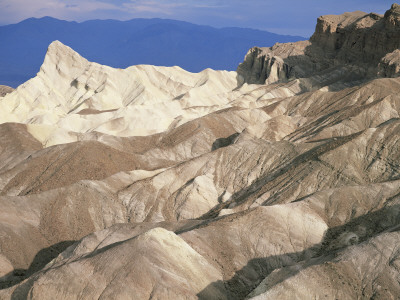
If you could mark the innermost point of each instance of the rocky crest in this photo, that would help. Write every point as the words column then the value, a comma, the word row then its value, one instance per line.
column 157, row 183
column 358, row 44
column 4, row 90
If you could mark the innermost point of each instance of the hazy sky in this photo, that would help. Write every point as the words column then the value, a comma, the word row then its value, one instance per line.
column 293, row 17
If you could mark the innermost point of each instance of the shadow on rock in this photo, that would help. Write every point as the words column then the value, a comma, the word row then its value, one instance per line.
column 42, row 258
column 356, row 231
column 224, row 142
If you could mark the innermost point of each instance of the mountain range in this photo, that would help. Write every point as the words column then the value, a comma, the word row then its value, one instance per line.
column 121, row 44
column 280, row 180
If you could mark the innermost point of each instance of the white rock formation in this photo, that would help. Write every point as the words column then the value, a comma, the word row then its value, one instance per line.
column 71, row 94
column 155, row 183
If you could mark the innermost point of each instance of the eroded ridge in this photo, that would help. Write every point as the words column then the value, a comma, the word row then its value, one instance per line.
column 278, row 181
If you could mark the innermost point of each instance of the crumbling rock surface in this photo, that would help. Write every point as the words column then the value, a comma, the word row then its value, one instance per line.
column 4, row 90
column 156, row 183
column 355, row 45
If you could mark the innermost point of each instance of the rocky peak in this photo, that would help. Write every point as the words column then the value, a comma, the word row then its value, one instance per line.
column 357, row 43
column 61, row 60
column 154, row 182
column 332, row 32
column 392, row 17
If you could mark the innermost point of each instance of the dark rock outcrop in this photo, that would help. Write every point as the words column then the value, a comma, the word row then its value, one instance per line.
column 4, row 90
column 360, row 44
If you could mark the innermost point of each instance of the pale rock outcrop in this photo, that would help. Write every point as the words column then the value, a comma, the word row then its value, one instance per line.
column 154, row 182
column 177, row 264
column 71, row 94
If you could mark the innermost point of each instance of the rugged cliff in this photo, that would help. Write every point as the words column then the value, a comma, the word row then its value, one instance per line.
column 356, row 46
column 157, row 183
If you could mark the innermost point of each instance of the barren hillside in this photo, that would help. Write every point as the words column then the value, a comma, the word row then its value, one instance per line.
column 278, row 181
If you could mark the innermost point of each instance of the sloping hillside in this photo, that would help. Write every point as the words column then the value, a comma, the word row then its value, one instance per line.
column 272, row 182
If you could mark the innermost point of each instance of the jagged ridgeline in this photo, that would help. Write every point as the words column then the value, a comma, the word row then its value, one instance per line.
column 278, row 181
column 121, row 44
column 349, row 47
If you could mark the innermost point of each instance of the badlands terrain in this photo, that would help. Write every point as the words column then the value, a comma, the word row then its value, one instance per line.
column 278, row 181
column 121, row 44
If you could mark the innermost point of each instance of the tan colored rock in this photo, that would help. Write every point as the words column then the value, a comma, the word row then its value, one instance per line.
column 351, row 44
column 4, row 90
column 390, row 64
column 154, row 182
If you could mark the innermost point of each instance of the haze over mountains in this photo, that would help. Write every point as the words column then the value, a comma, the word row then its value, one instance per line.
column 122, row 44
column 278, row 181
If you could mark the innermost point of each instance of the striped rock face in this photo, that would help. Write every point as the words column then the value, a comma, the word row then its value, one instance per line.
column 278, row 181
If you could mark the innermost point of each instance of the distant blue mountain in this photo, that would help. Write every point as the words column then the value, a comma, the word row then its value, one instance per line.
column 125, row 43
